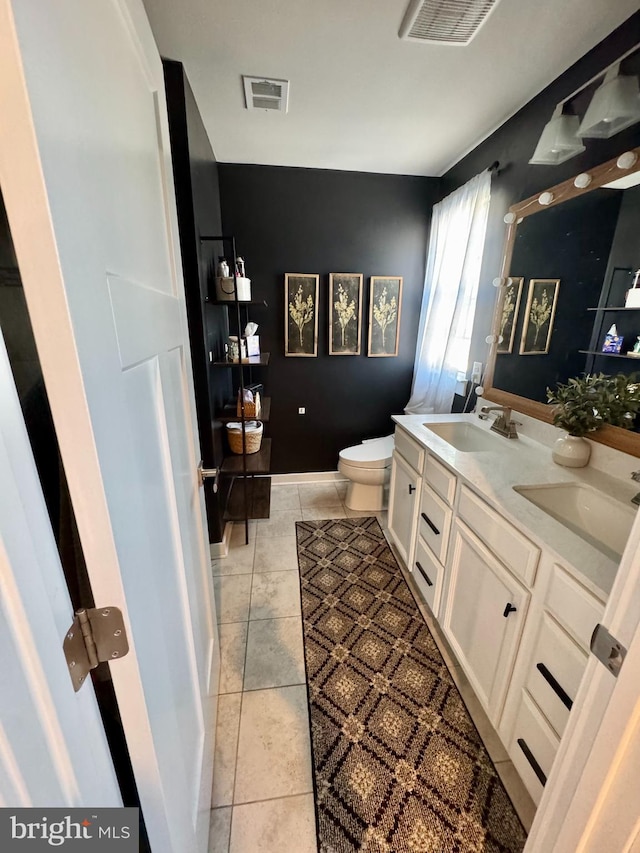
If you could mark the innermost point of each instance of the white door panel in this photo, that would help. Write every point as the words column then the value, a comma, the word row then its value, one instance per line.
column 105, row 295
column 44, row 726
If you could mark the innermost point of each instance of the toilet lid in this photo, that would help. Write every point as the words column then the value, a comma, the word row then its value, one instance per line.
column 371, row 454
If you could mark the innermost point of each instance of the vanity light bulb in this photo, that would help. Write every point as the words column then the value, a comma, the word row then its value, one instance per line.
column 583, row 180
column 479, row 391
column 545, row 198
column 497, row 282
column 627, row 160
column 491, row 339
column 510, row 217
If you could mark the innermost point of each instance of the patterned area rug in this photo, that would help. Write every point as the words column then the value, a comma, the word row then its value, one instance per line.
column 398, row 764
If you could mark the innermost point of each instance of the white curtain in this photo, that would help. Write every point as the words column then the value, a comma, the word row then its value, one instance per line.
column 454, row 257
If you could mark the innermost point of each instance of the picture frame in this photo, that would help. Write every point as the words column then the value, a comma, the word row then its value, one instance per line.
column 345, row 313
column 385, row 307
column 510, row 311
column 542, row 299
column 301, row 314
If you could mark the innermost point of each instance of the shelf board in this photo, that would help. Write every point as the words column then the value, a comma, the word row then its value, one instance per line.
column 610, row 354
column 256, row 303
column 261, row 360
column 258, row 499
column 257, row 463
column 229, row 412
column 613, row 308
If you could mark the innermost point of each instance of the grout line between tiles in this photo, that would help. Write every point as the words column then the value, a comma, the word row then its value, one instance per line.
column 273, row 799
column 274, row 687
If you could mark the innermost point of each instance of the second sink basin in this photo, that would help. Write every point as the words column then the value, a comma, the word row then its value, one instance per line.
column 465, row 436
column 596, row 517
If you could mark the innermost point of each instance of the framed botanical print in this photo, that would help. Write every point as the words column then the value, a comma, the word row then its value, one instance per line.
column 539, row 314
column 301, row 314
column 510, row 309
column 385, row 301
column 345, row 313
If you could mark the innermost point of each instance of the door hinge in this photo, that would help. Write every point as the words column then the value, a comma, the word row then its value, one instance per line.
column 96, row 635
column 607, row 649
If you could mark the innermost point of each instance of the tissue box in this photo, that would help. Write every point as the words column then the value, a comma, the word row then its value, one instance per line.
column 253, row 344
column 612, row 343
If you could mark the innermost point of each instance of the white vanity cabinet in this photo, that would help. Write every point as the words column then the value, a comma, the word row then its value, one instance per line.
column 550, row 666
column 404, row 493
column 483, row 617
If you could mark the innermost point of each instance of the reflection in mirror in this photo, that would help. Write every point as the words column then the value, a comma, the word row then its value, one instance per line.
column 590, row 245
column 571, row 267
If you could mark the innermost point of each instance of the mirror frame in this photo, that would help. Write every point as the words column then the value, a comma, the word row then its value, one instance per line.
column 616, row 437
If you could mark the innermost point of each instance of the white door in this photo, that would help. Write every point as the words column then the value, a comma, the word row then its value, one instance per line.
column 86, row 174
column 44, row 726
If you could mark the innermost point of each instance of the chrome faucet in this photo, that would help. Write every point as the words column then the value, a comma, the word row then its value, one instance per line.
column 635, row 475
column 503, row 424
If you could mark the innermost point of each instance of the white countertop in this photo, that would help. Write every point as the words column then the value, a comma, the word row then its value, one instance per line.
column 519, row 462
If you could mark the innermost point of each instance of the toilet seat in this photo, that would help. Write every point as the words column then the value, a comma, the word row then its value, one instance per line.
column 371, row 454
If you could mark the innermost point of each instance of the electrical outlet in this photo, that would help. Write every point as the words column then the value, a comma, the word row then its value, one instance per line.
column 476, row 373
column 302, row 410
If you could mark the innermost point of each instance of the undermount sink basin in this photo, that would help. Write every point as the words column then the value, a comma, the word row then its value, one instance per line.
column 465, row 436
column 594, row 516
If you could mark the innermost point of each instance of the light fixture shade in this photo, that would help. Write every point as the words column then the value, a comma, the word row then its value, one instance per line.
column 559, row 140
column 614, row 106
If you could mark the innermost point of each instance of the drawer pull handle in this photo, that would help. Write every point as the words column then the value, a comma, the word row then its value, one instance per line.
column 564, row 697
column 430, row 523
column 510, row 608
column 532, row 761
column 411, row 489
column 424, row 574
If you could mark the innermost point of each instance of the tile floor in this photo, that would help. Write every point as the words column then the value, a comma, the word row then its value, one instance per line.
column 262, row 797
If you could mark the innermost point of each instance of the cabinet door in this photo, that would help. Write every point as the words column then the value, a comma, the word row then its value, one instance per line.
column 403, row 506
column 484, row 616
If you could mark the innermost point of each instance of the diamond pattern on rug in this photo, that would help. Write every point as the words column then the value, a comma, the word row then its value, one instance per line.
column 398, row 764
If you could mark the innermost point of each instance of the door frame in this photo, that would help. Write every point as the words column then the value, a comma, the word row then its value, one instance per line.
column 24, row 186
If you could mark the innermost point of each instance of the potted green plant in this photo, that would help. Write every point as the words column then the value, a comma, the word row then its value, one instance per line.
column 584, row 404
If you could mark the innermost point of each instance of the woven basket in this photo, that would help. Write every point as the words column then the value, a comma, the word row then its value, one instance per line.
column 253, row 436
column 251, row 409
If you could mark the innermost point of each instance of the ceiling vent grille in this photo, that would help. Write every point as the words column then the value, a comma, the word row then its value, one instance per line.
column 452, row 22
column 262, row 93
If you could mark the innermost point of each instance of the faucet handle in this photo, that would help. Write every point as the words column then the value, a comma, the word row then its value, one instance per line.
column 635, row 475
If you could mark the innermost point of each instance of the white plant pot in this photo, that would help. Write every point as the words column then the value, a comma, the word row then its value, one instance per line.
column 572, row 451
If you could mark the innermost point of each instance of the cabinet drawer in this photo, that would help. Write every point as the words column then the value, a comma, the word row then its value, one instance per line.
column 556, row 669
column 573, row 606
column 440, row 479
column 434, row 522
column 428, row 575
column 515, row 550
column 410, row 450
column 533, row 747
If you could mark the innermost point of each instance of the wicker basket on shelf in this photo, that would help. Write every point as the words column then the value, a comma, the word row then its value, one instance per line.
column 252, row 433
column 252, row 407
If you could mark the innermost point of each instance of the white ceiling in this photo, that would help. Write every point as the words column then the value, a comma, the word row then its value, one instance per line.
column 361, row 99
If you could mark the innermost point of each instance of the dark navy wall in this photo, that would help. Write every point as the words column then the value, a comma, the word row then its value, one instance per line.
column 317, row 221
column 513, row 145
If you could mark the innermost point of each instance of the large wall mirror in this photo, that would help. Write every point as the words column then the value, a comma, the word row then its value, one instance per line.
column 571, row 256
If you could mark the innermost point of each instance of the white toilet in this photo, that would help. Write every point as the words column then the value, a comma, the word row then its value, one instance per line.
column 367, row 466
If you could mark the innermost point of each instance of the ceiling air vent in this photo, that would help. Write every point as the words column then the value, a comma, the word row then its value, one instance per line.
column 445, row 21
column 262, row 93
